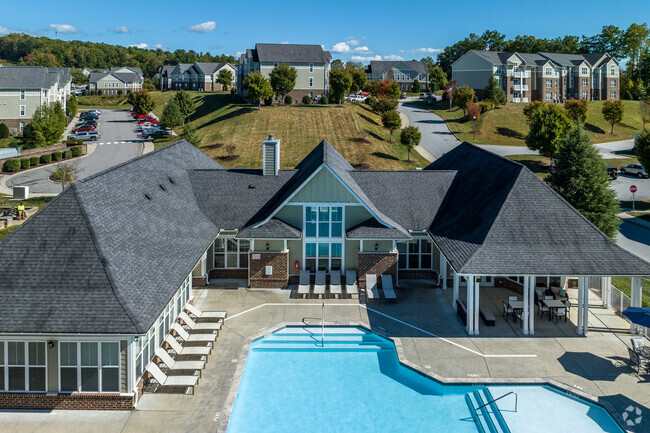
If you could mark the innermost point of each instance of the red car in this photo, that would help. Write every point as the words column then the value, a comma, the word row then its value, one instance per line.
column 84, row 128
column 148, row 119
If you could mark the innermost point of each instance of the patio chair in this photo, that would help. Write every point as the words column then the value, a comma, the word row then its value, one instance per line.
column 507, row 311
column 558, row 313
column 303, row 284
column 319, row 284
column 351, row 286
column 193, row 338
column 542, row 308
column 637, row 359
column 202, row 326
column 174, row 365
column 187, row 350
column 169, row 381
column 371, row 287
column 192, row 310
column 335, row 284
column 387, row 287
column 637, row 343
column 568, row 306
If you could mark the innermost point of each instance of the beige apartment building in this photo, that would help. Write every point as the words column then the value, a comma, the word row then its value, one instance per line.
column 550, row 77
column 25, row 88
column 404, row 72
column 199, row 76
column 117, row 80
column 311, row 62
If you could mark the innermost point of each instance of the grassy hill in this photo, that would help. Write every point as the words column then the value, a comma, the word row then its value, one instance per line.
column 354, row 130
column 507, row 125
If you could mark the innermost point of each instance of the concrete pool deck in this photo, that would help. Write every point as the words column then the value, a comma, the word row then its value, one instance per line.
column 596, row 364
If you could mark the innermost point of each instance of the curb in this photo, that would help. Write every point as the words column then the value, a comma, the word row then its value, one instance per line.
column 624, row 216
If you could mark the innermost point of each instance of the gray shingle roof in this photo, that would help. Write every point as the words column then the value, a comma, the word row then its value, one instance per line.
column 379, row 67
column 372, row 229
column 273, row 229
column 290, row 53
column 32, row 77
column 565, row 59
column 208, row 68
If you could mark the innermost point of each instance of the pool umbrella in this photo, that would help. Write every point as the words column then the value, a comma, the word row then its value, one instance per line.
column 638, row 315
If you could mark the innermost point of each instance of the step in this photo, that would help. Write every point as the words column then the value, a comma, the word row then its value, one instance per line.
column 361, row 339
column 317, row 346
column 312, row 330
column 482, row 423
column 497, row 419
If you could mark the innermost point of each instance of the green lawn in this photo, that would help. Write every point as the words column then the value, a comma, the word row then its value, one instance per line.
column 624, row 284
column 105, row 102
column 6, row 200
column 540, row 165
column 507, row 125
column 4, row 232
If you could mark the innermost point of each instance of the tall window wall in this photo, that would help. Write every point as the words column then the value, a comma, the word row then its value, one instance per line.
column 231, row 253
column 23, row 366
column 415, row 254
column 323, row 231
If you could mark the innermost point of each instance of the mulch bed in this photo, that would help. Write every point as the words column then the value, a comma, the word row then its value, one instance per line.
column 214, row 146
column 361, row 140
column 361, row 166
column 228, row 158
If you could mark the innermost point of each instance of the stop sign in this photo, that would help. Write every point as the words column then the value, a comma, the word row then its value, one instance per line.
column 633, row 189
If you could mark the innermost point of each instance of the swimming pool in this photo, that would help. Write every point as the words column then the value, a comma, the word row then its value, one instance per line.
column 355, row 383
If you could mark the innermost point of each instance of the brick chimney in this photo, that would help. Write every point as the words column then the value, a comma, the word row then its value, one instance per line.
column 270, row 156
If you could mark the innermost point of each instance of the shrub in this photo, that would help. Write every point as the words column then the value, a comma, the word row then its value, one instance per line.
column 119, row 92
column 371, row 100
column 268, row 101
column 92, row 93
column 57, row 156
column 324, row 100
column 4, row 130
column 627, row 96
column 475, row 99
column 24, row 163
column 34, row 160
column 12, row 165
column 486, row 105
column 100, row 92
column 76, row 150
column 73, row 142
column 85, row 93
column 288, row 100
column 46, row 159
column 306, row 100
column 67, row 154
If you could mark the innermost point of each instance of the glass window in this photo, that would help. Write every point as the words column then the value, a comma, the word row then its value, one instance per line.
column 415, row 254
column 16, row 365
column 110, row 367
column 231, row 253
column 36, row 366
column 310, row 250
column 89, row 371
column 22, row 95
column 22, row 110
column 68, row 361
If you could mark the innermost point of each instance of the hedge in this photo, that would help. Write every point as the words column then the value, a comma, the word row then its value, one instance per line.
column 46, row 159
column 324, row 100
column 73, row 141
column 486, row 105
column 24, row 163
column 76, row 150
column 12, row 165
column 67, row 154
column 33, row 161
column 4, row 130
column 57, row 156
column 306, row 100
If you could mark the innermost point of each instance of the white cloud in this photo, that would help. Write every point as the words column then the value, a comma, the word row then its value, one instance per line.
column 120, row 29
column 208, row 26
column 426, row 50
column 352, row 41
column 64, row 28
column 238, row 54
column 344, row 48
column 364, row 58
column 5, row 31
column 393, row 57
column 285, row 43
column 147, row 46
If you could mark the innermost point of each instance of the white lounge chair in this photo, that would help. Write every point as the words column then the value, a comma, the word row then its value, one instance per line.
column 303, row 284
column 193, row 338
column 335, row 283
column 219, row 315
column 202, row 326
column 187, row 350
column 174, row 365
column 164, row 380
column 319, row 284
column 351, row 286
column 387, row 287
column 371, row 287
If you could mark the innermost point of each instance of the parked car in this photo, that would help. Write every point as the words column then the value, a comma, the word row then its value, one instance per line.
column 88, row 122
column 86, row 135
column 148, row 119
column 84, row 128
column 634, row 170
column 90, row 116
column 159, row 133
column 612, row 172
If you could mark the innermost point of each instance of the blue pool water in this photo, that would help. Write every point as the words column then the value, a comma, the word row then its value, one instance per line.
column 352, row 384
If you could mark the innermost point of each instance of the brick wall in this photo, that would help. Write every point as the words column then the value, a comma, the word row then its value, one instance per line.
column 509, row 284
column 229, row 274
column 15, row 400
column 279, row 278
column 415, row 274
column 375, row 263
column 199, row 281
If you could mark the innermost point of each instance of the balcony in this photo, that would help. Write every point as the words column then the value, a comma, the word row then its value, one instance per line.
column 520, row 87
column 521, row 74
column 519, row 99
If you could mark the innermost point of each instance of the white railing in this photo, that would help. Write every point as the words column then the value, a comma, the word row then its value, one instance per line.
column 619, row 301
column 520, row 87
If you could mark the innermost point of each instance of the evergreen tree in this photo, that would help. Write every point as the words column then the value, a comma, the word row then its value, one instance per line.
column 171, row 115
column 410, row 137
column 224, row 77
column 580, row 176
column 72, row 106
column 340, row 83
column 185, row 103
column 416, row 86
column 642, row 148
column 391, row 121
column 494, row 92
column 142, row 101
column 189, row 134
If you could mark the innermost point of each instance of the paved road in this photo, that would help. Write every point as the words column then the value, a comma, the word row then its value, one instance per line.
column 635, row 239
column 118, row 144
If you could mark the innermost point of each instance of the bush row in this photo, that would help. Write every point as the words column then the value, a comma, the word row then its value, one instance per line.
column 15, row 164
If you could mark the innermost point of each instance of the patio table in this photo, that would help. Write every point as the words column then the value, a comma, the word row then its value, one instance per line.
column 553, row 304
column 517, row 307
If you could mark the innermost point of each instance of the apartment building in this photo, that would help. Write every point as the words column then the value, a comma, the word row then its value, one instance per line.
column 312, row 64
column 117, row 80
column 201, row 76
column 401, row 71
column 551, row 77
column 25, row 88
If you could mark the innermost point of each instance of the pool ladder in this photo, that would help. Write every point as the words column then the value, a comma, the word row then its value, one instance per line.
column 485, row 413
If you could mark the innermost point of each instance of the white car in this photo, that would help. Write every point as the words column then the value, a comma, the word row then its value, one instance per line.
column 86, row 135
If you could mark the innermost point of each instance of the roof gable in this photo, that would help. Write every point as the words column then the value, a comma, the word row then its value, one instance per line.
column 323, row 187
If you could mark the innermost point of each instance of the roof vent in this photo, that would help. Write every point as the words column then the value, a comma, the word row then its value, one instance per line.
column 162, row 187
column 170, row 180
column 251, row 186
column 270, row 156
column 147, row 196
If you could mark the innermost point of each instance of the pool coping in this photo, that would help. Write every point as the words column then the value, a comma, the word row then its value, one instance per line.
column 232, row 394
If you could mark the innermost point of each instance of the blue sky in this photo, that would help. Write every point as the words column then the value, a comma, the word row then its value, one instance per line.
column 360, row 31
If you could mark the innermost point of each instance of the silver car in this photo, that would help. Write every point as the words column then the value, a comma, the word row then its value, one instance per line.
column 86, row 135
column 634, row 170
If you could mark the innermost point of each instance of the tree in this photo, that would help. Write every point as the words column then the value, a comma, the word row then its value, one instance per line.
column 171, row 115
column 189, row 134
column 65, row 173
column 642, row 147
column 72, row 106
column 613, row 112
column 644, row 109
column 635, row 41
column 283, row 80
column 186, row 104
column 580, row 176
column 494, row 92
column 416, row 86
column 359, row 79
column 385, row 104
column 394, row 91
column 4, row 130
column 577, row 110
column 391, row 121
column 382, row 88
column 410, row 138
column 337, row 63
column 354, row 65
column 340, row 83
column 224, row 77
column 78, row 77
column 257, row 87
column 448, row 93
column 473, row 110
column 437, row 78
column 462, row 96
column 549, row 125
column 142, row 101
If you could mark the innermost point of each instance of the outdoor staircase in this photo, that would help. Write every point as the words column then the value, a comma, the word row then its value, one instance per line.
column 328, row 338
column 488, row 418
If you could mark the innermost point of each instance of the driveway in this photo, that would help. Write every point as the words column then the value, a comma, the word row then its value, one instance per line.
column 119, row 143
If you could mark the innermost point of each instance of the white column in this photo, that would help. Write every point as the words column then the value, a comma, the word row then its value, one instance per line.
column 605, row 285
column 476, row 306
column 581, row 287
column 524, row 315
column 443, row 271
column 470, row 304
column 635, row 300
column 531, row 306
column 585, row 309
column 456, row 290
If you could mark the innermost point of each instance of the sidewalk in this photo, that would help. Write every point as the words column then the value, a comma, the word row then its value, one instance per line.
column 634, row 220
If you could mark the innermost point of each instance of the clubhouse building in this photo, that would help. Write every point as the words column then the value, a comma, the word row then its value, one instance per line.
column 93, row 282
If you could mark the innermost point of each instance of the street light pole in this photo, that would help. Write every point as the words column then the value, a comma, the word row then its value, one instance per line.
column 474, row 127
